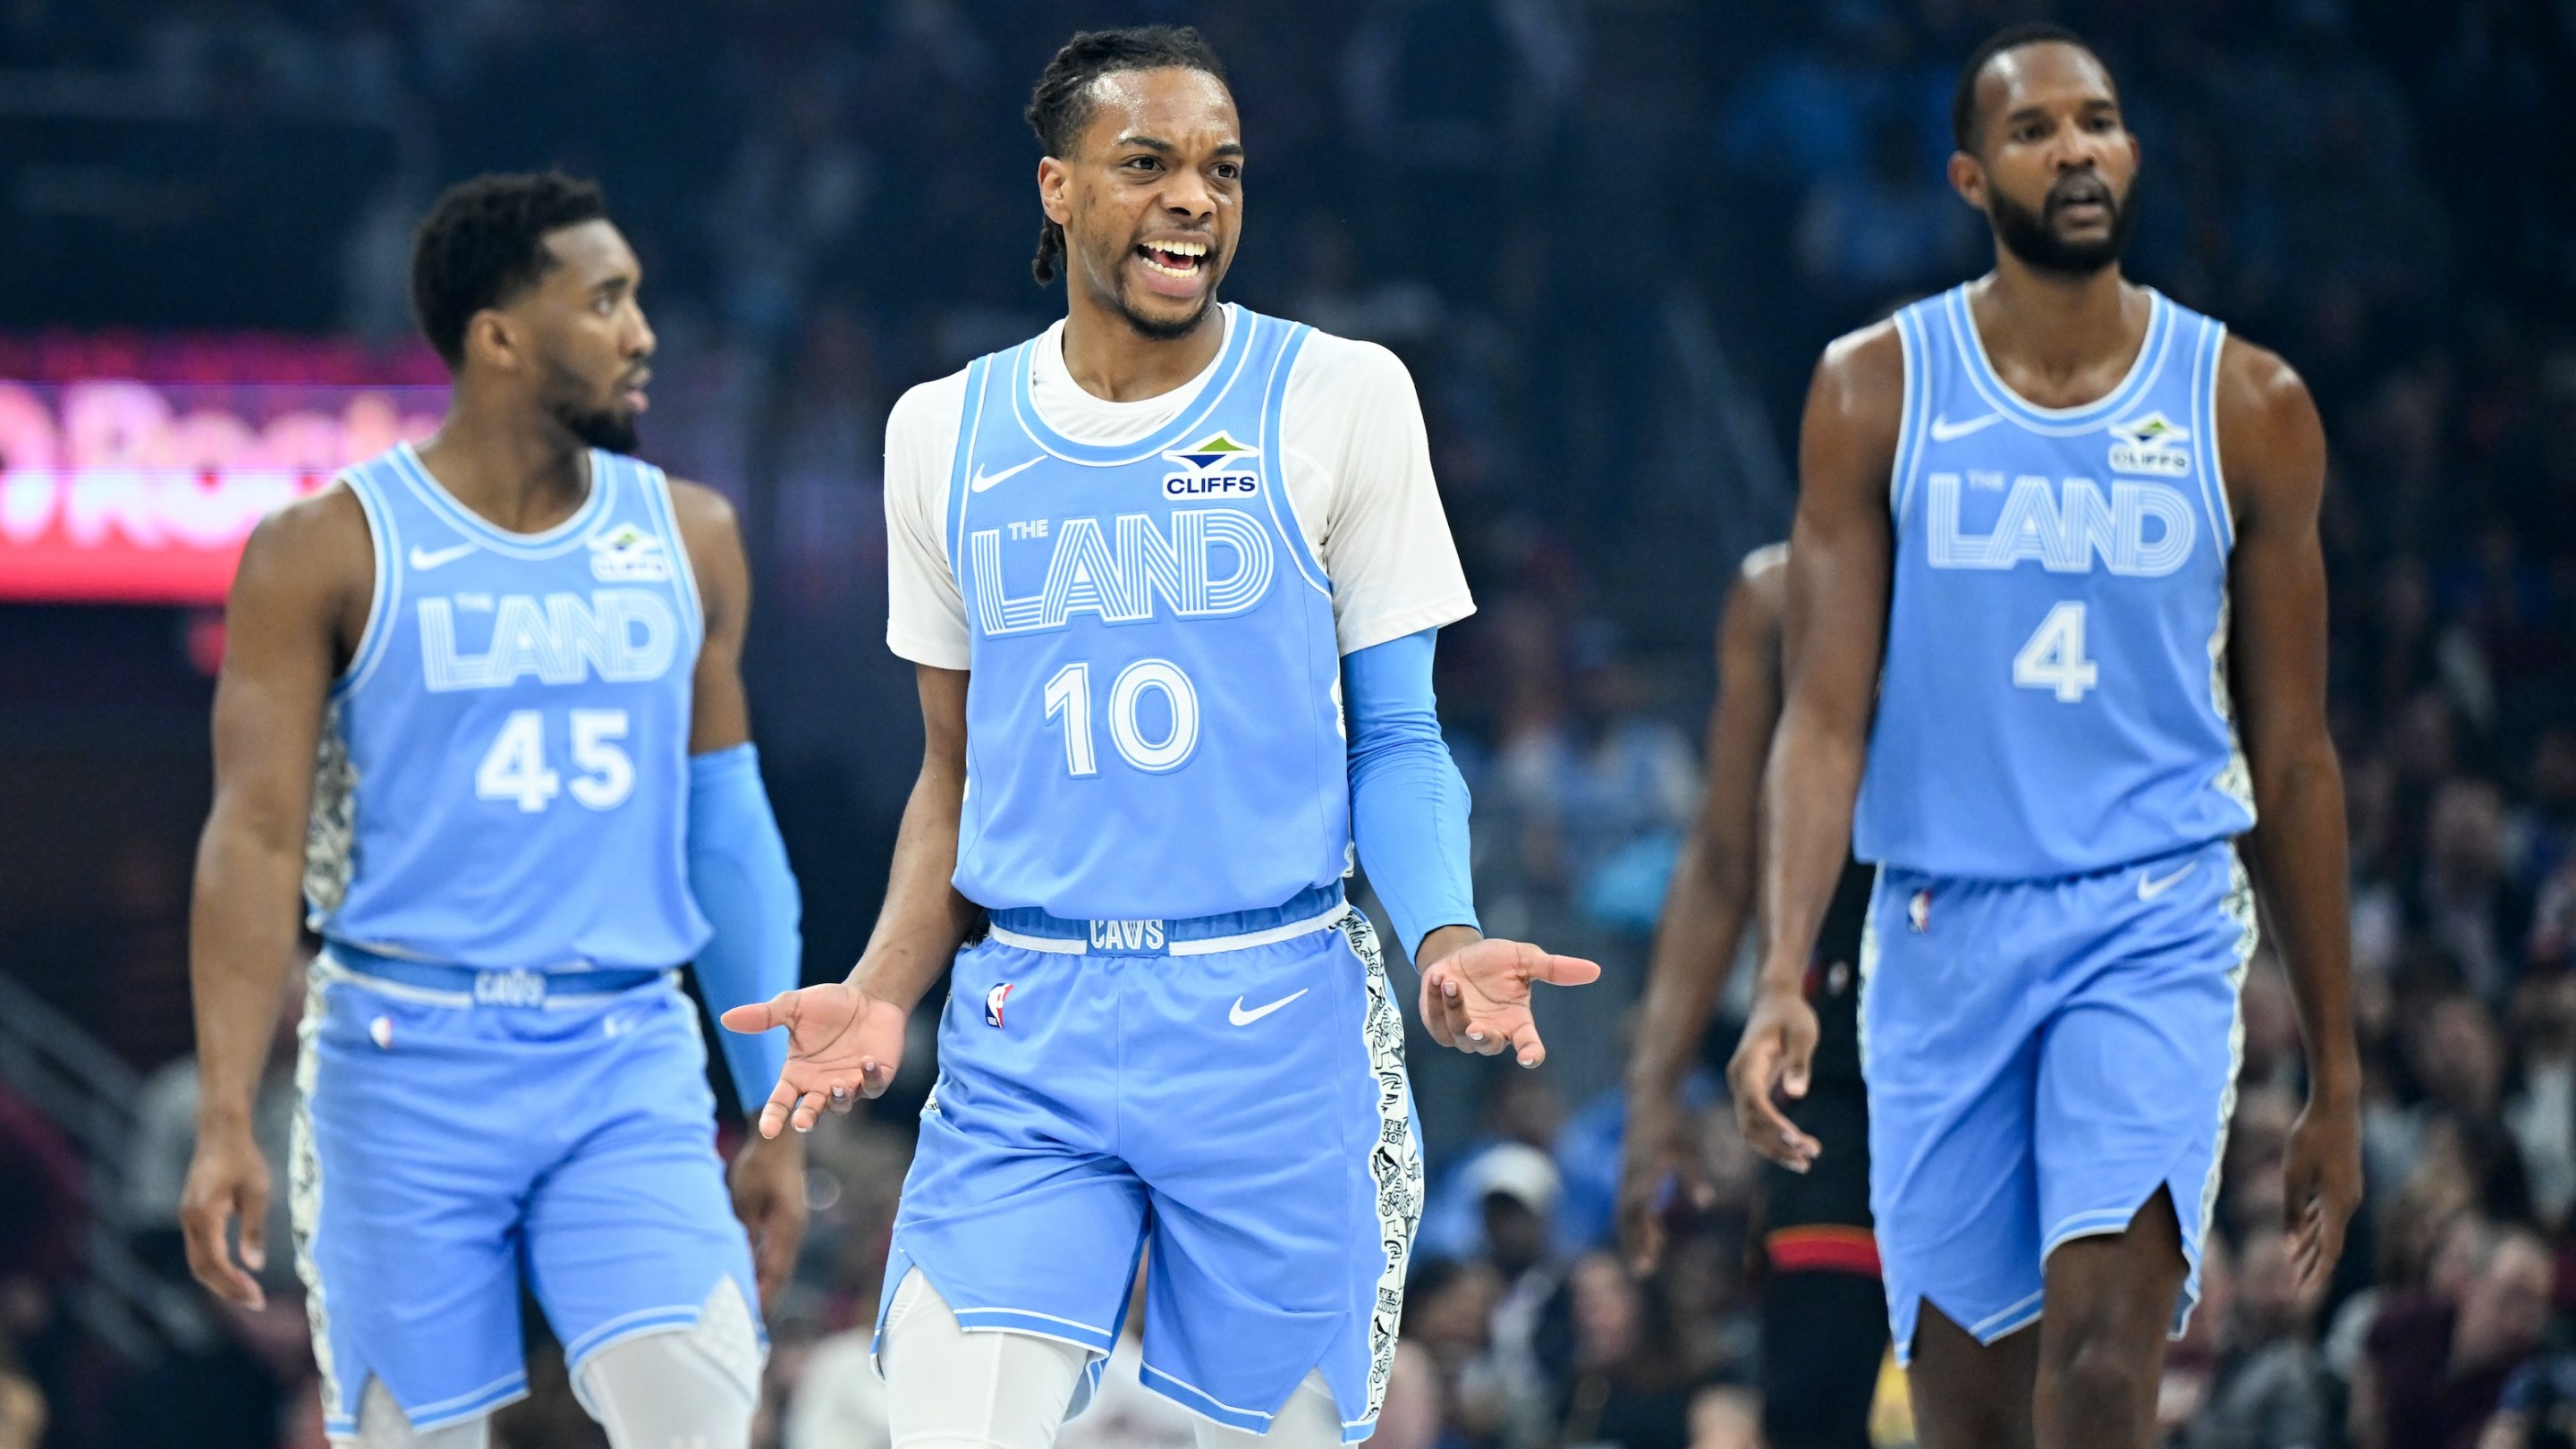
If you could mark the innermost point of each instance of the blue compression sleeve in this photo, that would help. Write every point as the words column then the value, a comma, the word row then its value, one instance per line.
column 738, row 871
column 1408, row 802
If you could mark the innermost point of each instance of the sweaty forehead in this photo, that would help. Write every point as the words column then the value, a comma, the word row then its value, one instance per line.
column 1188, row 108
column 2044, row 73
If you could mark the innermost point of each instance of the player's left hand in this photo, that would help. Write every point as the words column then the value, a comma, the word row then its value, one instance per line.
column 2321, row 1185
column 1476, row 995
column 842, row 1044
column 768, row 1182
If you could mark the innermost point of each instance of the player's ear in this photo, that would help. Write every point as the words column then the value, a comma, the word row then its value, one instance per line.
column 1968, row 178
column 494, row 339
column 1055, row 182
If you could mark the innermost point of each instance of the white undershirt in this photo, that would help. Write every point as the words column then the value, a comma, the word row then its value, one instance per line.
column 1357, row 472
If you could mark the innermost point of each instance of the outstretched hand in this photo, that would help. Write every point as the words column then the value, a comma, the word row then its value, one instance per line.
column 842, row 1044
column 1476, row 997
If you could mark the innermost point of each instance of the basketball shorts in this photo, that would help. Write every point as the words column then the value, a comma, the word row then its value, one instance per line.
column 450, row 1147
column 2042, row 1057
column 1223, row 1100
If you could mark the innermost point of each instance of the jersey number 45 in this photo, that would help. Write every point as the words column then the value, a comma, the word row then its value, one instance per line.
column 515, row 767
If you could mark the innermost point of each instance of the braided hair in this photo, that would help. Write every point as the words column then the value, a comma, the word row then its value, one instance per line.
column 1061, row 105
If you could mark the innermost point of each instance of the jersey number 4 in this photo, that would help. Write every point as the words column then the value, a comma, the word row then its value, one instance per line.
column 1068, row 698
column 515, row 767
column 2054, row 657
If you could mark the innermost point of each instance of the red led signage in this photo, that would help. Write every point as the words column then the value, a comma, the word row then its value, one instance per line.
column 143, row 492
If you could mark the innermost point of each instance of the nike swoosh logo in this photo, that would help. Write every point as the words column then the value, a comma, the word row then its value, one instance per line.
column 2149, row 887
column 983, row 480
column 425, row 560
column 1944, row 430
column 1241, row 1017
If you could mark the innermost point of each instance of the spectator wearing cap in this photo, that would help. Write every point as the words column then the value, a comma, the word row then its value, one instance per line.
column 1516, row 1187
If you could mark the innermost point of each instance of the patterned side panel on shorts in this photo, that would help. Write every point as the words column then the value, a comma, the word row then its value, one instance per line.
column 331, row 833
column 2239, row 906
column 1395, row 1164
column 304, row 1193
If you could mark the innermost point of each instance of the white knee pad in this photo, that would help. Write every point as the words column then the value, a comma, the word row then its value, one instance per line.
column 696, row 1388
column 382, row 1425
column 1309, row 1420
column 949, row 1388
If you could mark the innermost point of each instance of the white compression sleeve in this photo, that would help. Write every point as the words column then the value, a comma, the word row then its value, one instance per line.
column 382, row 1425
column 1309, row 1420
column 949, row 1388
column 693, row 1389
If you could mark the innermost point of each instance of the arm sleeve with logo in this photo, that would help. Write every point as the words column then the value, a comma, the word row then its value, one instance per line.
column 1408, row 802
column 1351, row 416
column 925, row 613
column 738, row 872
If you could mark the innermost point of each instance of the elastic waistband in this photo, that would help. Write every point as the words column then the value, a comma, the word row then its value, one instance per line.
column 1888, row 868
column 447, row 985
column 1035, row 930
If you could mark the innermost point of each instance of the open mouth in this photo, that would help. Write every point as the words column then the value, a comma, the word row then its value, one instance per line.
column 2081, row 204
column 1181, row 261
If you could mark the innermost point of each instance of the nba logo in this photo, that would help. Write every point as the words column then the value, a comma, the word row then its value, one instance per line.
column 1918, row 912
column 993, row 1004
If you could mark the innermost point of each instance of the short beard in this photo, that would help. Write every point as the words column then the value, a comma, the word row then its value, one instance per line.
column 2026, row 234
column 1158, row 331
column 598, row 427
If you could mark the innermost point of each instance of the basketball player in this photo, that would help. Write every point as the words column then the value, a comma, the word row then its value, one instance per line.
column 514, row 653
column 2046, row 493
column 1171, row 572
column 1824, row 1323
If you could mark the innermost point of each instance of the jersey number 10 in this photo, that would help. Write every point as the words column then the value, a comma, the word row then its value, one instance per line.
column 515, row 767
column 1068, row 698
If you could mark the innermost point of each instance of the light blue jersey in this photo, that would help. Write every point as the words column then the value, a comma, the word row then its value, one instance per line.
column 1176, row 1042
column 504, row 779
column 1154, row 729
column 2055, row 945
column 497, row 861
column 2054, row 696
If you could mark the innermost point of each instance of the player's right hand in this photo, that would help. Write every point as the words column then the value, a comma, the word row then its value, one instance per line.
column 227, row 1180
column 1779, row 1046
column 1662, row 1145
column 842, row 1044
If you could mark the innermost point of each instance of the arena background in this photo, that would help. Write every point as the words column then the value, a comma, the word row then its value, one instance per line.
column 1609, row 239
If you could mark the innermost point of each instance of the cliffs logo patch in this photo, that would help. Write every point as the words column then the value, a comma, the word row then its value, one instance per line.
column 627, row 554
column 1216, row 467
column 993, row 1004
column 1918, row 912
column 2151, row 444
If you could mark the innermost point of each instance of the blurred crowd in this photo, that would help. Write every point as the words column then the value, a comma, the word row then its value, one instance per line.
column 1609, row 239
